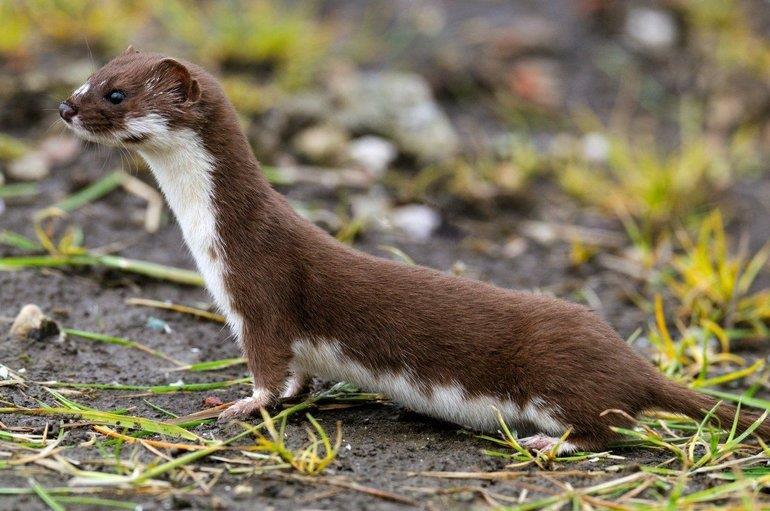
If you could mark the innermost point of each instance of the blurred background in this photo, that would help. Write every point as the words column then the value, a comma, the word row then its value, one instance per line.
column 586, row 148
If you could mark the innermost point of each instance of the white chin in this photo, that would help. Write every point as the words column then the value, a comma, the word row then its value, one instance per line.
column 83, row 133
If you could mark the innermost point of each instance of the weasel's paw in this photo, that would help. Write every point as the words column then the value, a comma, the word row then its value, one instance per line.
column 294, row 385
column 245, row 407
column 540, row 443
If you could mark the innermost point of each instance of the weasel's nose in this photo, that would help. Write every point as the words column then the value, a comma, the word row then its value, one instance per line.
column 67, row 111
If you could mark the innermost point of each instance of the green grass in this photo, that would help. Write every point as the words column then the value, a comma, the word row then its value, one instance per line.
column 714, row 286
column 647, row 187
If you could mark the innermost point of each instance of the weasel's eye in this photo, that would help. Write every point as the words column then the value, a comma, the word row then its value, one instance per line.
column 115, row 96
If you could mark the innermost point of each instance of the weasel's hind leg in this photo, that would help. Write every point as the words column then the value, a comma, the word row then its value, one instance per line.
column 295, row 384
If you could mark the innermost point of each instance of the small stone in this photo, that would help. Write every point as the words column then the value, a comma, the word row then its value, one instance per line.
column 417, row 221
column 372, row 153
column 538, row 81
column 325, row 143
column 243, row 489
column 515, row 247
column 158, row 325
column 652, row 30
column 31, row 323
column 596, row 147
column 33, row 166
column 212, row 401
column 60, row 150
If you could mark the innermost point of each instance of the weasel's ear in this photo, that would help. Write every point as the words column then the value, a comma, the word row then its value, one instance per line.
column 130, row 49
column 178, row 78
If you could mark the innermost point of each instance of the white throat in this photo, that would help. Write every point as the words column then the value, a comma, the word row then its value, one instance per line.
column 184, row 168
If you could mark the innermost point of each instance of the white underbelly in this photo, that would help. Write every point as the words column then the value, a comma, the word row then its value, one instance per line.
column 326, row 360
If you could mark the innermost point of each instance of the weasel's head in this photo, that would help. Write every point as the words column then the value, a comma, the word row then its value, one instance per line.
column 134, row 100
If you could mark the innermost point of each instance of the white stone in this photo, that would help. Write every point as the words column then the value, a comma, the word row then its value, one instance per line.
column 596, row 147
column 372, row 153
column 419, row 222
column 33, row 166
column 651, row 29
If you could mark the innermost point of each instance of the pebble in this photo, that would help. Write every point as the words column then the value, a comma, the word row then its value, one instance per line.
column 596, row 147
column 32, row 323
column 651, row 30
column 212, row 401
column 33, row 166
column 538, row 81
column 158, row 325
column 372, row 153
column 324, row 143
column 417, row 221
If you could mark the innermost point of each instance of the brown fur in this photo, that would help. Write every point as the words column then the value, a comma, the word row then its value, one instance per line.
column 290, row 280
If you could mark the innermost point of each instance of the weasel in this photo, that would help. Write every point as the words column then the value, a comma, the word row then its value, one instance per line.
column 301, row 304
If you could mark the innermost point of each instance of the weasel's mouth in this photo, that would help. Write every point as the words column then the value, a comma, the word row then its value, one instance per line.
column 107, row 137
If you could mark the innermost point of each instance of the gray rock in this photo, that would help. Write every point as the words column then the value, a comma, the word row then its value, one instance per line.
column 417, row 221
column 372, row 153
column 311, row 105
column 651, row 30
column 399, row 106
column 325, row 143
column 33, row 166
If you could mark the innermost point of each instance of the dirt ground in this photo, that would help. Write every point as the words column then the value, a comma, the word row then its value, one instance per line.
column 383, row 445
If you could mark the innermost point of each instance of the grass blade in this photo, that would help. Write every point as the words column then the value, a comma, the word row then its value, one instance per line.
column 98, row 417
column 92, row 192
column 120, row 341
column 45, row 496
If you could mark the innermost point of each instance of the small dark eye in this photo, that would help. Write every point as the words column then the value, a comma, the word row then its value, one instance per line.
column 115, row 96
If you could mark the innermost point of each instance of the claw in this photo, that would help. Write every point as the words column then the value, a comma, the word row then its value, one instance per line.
column 245, row 407
column 540, row 443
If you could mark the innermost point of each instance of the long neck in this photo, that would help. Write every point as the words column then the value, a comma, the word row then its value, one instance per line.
column 184, row 170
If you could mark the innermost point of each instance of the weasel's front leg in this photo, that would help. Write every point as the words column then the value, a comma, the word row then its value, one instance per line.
column 267, row 357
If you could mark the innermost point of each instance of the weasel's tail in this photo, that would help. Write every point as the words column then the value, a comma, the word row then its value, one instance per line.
column 672, row 397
